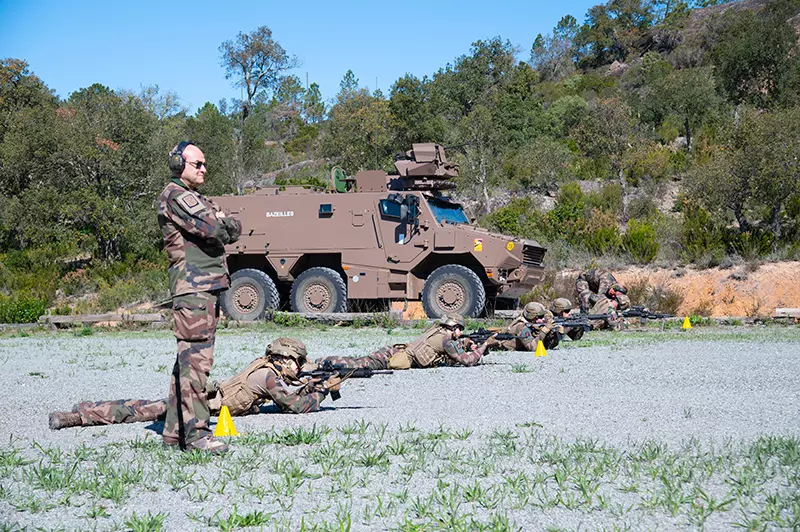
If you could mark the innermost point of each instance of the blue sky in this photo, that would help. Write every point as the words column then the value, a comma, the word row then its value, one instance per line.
column 126, row 45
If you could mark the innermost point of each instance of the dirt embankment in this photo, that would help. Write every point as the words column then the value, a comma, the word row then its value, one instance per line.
column 741, row 291
column 736, row 291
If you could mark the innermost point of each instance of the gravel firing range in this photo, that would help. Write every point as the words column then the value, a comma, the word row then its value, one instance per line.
column 653, row 430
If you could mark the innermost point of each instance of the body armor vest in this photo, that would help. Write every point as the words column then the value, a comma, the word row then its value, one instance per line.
column 426, row 350
column 235, row 393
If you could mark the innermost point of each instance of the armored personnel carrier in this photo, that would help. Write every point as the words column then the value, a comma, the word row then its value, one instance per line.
column 375, row 236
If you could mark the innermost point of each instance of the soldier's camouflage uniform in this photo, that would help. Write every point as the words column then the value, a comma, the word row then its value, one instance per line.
column 377, row 360
column 437, row 346
column 259, row 383
column 194, row 239
column 593, row 285
column 605, row 306
column 528, row 334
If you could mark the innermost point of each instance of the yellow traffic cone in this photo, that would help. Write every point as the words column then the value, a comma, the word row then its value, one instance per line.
column 225, row 424
column 540, row 350
column 686, row 323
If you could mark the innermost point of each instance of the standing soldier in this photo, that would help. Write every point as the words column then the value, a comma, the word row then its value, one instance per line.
column 595, row 284
column 272, row 377
column 195, row 232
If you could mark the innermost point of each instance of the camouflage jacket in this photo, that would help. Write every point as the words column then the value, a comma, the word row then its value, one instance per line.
column 295, row 399
column 438, row 346
column 461, row 353
column 605, row 306
column 194, row 239
column 599, row 282
column 529, row 333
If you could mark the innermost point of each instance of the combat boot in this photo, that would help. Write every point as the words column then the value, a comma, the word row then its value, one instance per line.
column 61, row 420
column 208, row 444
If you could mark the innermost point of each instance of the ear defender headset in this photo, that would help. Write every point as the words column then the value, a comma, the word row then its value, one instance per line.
column 176, row 160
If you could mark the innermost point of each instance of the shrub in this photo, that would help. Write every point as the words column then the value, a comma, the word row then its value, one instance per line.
column 601, row 235
column 641, row 242
column 751, row 245
column 701, row 241
column 21, row 309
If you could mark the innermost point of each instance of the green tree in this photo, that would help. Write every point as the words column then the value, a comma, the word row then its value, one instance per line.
column 553, row 55
column 608, row 134
column 757, row 56
column 313, row 105
column 214, row 133
column 358, row 128
column 613, row 31
column 540, row 165
column 256, row 62
column 412, row 113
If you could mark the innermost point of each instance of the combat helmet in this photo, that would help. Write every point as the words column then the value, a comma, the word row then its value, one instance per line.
column 562, row 304
column 623, row 302
column 452, row 321
column 289, row 347
column 533, row 310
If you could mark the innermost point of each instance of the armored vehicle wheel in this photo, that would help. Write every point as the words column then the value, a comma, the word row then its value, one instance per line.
column 319, row 290
column 453, row 289
column 252, row 292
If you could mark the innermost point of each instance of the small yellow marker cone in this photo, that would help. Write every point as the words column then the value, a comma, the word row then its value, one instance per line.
column 540, row 350
column 686, row 323
column 225, row 424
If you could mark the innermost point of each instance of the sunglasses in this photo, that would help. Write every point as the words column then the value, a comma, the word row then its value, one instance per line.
column 198, row 164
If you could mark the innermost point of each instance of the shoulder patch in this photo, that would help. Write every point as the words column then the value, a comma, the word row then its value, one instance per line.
column 190, row 203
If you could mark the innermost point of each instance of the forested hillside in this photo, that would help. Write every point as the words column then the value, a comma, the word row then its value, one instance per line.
column 650, row 132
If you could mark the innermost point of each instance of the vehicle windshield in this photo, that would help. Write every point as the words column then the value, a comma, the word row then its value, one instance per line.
column 444, row 211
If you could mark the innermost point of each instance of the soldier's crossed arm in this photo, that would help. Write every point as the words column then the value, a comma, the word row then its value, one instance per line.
column 233, row 226
column 194, row 216
column 292, row 401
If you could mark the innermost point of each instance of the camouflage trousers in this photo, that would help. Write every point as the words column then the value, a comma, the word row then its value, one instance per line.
column 377, row 360
column 122, row 411
column 584, row 295
column 195, row 317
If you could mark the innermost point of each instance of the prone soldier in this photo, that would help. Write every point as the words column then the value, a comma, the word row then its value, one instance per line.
column 272, row 377
column 533, row 325
column 595, row 284
column 610, row 308
column 561, row 309
column 440, row 345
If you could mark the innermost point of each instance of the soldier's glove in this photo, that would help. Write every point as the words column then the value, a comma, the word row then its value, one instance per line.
column 333, row 383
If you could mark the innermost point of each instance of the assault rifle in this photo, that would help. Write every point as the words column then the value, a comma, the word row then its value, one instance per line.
column 480, row 336
column 636, row 311
column 643, row 314
column 327, row 370
column 577, row 322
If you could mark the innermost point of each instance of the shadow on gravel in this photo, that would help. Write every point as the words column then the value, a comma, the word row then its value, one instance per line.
column 156, row 426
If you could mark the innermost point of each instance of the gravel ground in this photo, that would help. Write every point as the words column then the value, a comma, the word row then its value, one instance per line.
column 705, row 400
